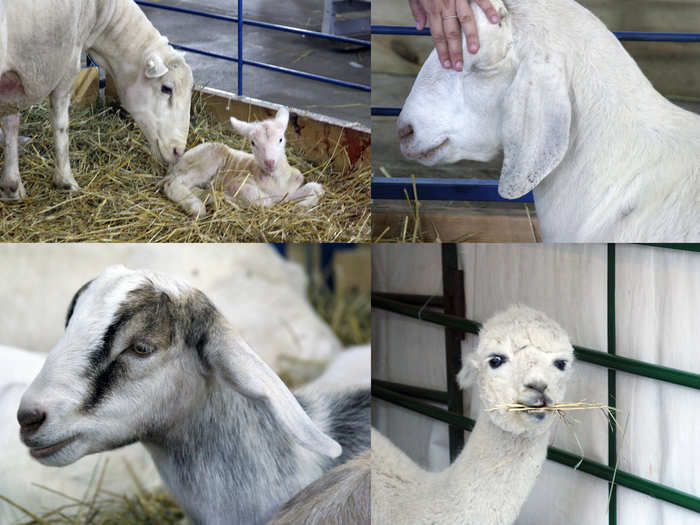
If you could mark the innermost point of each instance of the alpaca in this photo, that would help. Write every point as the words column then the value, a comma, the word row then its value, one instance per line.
column 262, row 178
column 522, row 357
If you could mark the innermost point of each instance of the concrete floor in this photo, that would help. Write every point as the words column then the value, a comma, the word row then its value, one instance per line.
column 313, row 55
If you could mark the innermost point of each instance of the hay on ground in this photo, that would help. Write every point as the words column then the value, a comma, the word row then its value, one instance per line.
column 119, row 198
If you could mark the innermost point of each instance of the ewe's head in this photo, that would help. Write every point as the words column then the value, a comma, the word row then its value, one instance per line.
column 266, row 138
column 523, row 357
column 159, row 100
column 141, row 352
column 501, row 101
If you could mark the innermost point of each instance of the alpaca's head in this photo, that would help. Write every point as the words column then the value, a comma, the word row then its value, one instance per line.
column 523, row 357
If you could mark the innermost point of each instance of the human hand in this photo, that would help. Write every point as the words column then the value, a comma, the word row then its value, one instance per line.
column 445, row 18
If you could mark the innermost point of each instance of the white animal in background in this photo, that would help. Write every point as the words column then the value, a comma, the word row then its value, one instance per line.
column 522, row 357
column 608, row 157
column 351, row 368
column 41, row 45
column 146, row 357
column 262, row 178
column 20, row 472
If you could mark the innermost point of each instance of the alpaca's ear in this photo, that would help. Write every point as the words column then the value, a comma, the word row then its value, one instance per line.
column 241, row 127
column 467, row 376
column 536, row 123
column 241, row 368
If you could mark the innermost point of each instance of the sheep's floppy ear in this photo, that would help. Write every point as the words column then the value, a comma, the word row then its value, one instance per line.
column 282, row 116
column 241, row 368
column 155, row 68
column 241, row 127
column 467, row 375
column 536, row 123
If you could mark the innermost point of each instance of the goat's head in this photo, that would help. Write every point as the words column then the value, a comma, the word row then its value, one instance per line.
column 159, row 99
column 140, row 352
column 501, row 101
column 266, row 138
column 523, row 357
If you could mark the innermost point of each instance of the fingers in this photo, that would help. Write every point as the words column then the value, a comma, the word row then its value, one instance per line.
column 439, row 39
column 490, row 11
column 466, row 19
column 453, row 34
column 419, row 14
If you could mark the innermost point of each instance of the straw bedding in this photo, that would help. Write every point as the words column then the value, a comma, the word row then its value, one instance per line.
column 119, row 199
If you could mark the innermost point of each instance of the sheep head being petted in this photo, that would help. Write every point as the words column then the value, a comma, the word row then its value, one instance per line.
column 146, row 357
column 606, row 156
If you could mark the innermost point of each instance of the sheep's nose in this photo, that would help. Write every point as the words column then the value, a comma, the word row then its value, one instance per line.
column 270, row 164
column 538, row 386
column 30, row 420
column 405, row 131
column 177, row 152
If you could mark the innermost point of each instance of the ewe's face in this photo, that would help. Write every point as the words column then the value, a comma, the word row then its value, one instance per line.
column 526, row 361
column 115, row 376
column 451, row 115
column 159, row 101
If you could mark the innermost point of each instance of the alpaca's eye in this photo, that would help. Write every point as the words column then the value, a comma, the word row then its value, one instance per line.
column 560, row 364
column 497, row 360
column 142, row 349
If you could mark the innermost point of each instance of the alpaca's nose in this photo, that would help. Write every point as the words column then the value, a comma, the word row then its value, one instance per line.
column 539, row 386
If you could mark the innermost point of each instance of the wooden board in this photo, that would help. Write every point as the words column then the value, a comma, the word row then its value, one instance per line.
column 86, row 87
column 455, row 222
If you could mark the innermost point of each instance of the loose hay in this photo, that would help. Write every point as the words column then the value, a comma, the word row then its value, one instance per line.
column 119, row 199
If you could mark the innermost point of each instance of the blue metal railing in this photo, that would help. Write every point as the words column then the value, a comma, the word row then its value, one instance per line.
column 240, row 22
column 471, row 189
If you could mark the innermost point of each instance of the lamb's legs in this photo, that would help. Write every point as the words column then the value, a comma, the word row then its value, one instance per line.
column 60, row 102
column 11, row 187
column 308, row 194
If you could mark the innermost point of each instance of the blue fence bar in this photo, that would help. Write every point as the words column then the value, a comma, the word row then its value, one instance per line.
column 240, row 22
column 433, row 189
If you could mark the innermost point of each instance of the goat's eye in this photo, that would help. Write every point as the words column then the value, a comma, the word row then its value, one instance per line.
column 166, row 90
column 142, row 349
column 497, row 360
column 560, row 364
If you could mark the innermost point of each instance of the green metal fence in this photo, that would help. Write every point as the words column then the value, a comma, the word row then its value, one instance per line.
column 417, row 306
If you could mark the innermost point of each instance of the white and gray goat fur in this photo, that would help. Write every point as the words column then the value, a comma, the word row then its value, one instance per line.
column 340, row 497
column 41, row 48
column 261, row 178
column 522, row 357
column 609, row 158
column 146, row 357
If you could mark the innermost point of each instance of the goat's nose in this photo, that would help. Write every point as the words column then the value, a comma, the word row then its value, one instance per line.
column 539, row 386
column 405, row 131
column 30, row 420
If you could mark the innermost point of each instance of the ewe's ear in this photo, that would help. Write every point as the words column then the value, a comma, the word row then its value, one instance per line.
column 282, row 116
column 537, row 118
column 241, row 127
column 241, row 368
column 154, row 66
column 467, row 376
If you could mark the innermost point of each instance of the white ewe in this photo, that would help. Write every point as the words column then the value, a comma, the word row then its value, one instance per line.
column 146, row 357
column 262, row 178
column 41, row 44
column 21, row 472
column 608, row 157
column 522, row 357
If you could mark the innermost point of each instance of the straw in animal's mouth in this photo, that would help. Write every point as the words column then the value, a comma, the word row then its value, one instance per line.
column 556, row 407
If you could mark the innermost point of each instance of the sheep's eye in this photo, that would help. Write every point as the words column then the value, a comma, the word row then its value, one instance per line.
column 166, row 90
column 142, row 349
column 252, row 143
column 497, row 360
column 280, row 140
column 560, row 364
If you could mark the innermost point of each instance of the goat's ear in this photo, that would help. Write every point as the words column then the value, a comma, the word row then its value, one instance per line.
column 241, row 127
column 467, row 375
column 536, row 123
column 282, row 116
column 154, row 66
column 240, row 367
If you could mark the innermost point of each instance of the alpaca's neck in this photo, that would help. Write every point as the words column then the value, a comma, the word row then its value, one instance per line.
column 495, row 466
column 228, row 462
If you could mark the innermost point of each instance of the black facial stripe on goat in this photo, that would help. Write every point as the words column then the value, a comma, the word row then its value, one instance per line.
column 198, row 317
column 75, row 300
column 153, row 309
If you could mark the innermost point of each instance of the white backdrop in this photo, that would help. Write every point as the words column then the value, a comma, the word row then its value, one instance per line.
column 657, row 304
